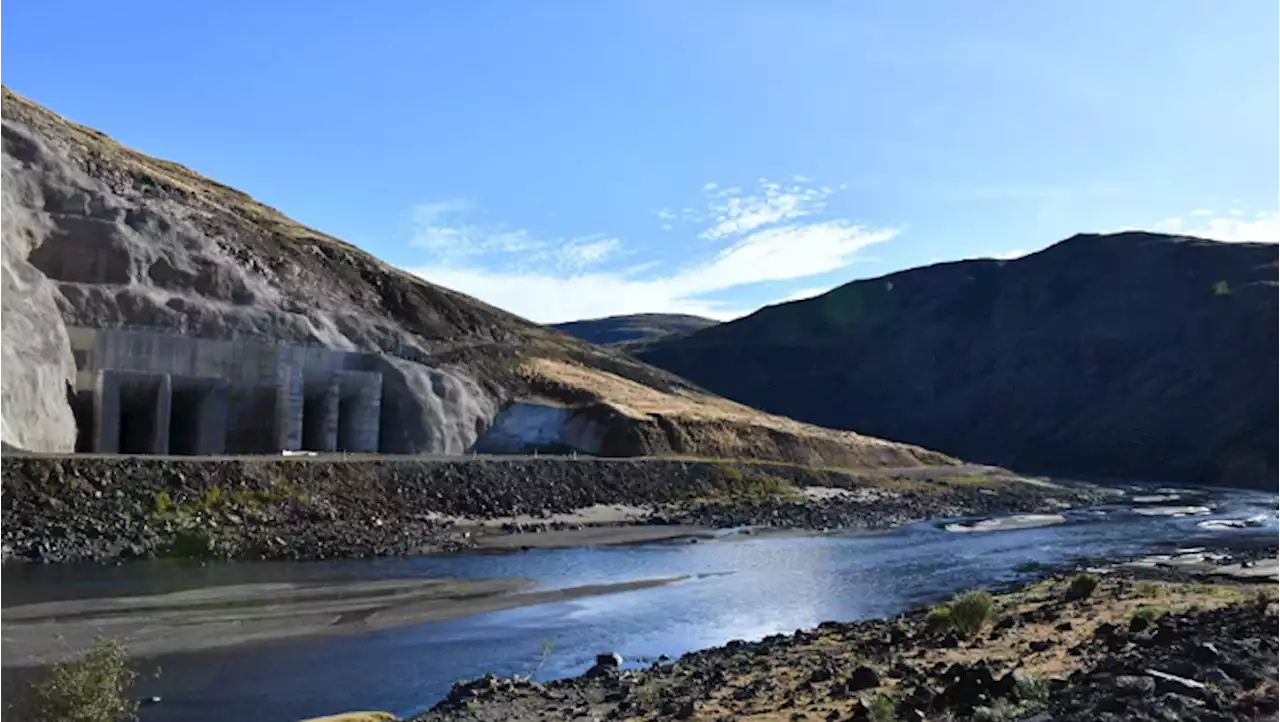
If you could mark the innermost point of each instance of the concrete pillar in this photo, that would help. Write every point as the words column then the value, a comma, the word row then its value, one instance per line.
column 288, row 408
column 320, row 414
column 106, row 413
column 360, row 412
column 164, row 406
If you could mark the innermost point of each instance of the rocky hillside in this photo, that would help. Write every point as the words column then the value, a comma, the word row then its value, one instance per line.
column 635, row 328
column 99, row 235
column 1130, row 355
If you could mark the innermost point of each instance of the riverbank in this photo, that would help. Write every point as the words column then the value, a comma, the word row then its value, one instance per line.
column 93, row 508
column 226, row 616
column 1145, row 644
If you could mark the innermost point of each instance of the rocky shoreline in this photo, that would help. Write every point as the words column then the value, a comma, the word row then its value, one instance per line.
column 62, row 509
column 1139, row 646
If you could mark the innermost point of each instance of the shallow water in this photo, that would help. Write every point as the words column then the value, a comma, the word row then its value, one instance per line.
column 740, row 588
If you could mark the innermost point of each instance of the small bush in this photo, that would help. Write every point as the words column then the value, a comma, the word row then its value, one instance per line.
column 998, row 711
column 971, row 611
column 1082, row 586
column 1148, row 614
column 1148, row 589
column 882, row 709
column 162, row 502
column 1033, row 692
column 93, row 688
column 939, row 619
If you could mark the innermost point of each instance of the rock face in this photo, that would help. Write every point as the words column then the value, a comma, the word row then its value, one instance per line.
column 1131, row 355
column 38, row 367
column 100, row 236
column 634, row 329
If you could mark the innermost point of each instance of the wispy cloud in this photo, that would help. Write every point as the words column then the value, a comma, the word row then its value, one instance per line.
column 1233, row 226
column 736, row 213
column 760, row 238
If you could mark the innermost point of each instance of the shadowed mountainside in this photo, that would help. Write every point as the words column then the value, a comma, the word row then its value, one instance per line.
column 624, row 331
column 99, row 235
column 1133, row 355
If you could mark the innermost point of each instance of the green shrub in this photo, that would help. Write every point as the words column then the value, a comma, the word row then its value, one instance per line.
column 939, row 619
column 93, row 688
column 971, row 611
column 1149, row 589
column 1149, row 614
column 212, row 497
column 998, row 711
column 1221, row 289
column 162, row 502
column 1082, row 586
column 882, row 709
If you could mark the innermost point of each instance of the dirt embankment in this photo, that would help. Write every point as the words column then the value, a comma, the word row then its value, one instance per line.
column 96, row 508
column 1136, row 648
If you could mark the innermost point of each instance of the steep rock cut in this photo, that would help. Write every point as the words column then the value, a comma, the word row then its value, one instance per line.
column 1131, row 355
column 117, row 238
column 37, row 362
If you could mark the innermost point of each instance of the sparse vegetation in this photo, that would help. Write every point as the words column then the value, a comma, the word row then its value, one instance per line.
column 1148, row 589
column 971, row 611
column 882, row 709
column 93, row 688
column 1082, row 586
column 998, row 711
column 736, row 482
column 939, row 619
column 967, row 614
column 1147, row 614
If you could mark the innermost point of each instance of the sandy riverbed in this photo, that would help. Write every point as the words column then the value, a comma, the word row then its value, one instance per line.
column 226, row 616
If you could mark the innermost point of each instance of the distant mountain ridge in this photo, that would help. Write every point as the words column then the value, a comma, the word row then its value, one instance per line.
column 1135, row 355
column 634, row 328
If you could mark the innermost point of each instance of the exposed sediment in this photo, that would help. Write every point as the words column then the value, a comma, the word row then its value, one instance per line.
column 96, row 508
column 1136, row 648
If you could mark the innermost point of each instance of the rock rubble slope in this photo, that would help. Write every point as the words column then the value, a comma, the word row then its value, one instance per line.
column 99, row 235
column 1135, row 355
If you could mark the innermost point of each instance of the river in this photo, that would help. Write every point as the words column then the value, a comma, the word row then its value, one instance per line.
column 738, row 587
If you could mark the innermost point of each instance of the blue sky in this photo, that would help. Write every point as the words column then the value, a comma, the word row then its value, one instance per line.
column 579, row 159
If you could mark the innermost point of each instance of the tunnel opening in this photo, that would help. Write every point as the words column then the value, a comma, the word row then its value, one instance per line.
column 184, row 421
column 318, row 427
column 138, row 419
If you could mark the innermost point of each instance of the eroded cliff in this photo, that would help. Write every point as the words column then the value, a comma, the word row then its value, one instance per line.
column 117, row 238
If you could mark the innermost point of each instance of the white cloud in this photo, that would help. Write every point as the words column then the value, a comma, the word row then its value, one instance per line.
column 804, row 293
column 734, row 213
column 1202, row 212
column 760, row 237
column 581, row 253
column 1264, row 226
column 778, row 254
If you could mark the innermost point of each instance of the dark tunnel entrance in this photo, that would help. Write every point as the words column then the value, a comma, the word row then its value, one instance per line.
column 138, row 419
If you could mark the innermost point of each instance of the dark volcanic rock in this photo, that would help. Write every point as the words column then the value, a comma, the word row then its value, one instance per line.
column 1132, row 355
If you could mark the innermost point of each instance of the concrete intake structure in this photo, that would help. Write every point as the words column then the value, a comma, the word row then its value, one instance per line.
column 143, row 392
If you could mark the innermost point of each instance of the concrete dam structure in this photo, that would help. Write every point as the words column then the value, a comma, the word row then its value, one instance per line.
column 148, row 392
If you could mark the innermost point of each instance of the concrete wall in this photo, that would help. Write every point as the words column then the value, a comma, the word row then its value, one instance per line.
column 230, row 396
